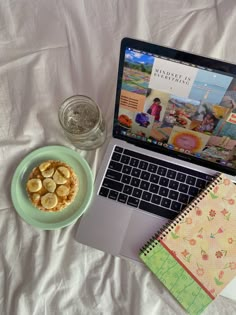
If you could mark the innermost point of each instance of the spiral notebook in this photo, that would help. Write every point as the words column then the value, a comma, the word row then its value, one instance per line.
column 194, row 256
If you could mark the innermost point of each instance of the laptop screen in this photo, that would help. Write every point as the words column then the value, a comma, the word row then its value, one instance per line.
column 177, row 103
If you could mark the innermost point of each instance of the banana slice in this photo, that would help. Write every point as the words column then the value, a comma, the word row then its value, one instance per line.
column 62, row 191
column 36, row 197
column 48, row 172
column 64, row 171
column 43, row 166
column 59, row 179
column 34, row 184
column 49, row 184
column 49, row 201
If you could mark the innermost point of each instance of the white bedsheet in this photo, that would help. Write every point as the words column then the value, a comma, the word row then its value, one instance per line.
column 50, row 50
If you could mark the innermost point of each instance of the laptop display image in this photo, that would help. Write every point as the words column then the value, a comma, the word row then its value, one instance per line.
column 174, row 130
column 177, row 105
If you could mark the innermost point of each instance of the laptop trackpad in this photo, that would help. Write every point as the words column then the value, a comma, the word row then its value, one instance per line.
column 142, row 226
column 103, row 226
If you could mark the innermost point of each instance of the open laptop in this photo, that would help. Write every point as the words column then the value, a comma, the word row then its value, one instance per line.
column 174, row 130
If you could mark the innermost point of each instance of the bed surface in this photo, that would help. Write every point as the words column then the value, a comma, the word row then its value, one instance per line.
column 50, row 50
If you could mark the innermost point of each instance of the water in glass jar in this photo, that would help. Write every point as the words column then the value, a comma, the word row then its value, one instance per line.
column 81, row 119
column 82, row 122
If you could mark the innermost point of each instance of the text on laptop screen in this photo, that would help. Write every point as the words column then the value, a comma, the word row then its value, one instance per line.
column 179, row 106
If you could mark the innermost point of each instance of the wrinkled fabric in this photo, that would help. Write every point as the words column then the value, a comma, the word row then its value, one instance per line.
column 50, row 50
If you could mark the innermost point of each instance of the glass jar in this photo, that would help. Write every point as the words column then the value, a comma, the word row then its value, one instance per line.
column 82, row 122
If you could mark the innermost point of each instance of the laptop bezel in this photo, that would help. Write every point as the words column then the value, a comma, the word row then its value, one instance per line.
column 201, row 61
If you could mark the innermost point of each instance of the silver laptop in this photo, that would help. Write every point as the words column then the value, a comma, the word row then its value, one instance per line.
column 174, row 130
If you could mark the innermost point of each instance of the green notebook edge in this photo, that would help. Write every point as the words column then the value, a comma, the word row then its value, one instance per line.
column 175, row 278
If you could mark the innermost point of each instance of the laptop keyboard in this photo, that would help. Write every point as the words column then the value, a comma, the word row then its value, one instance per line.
column 151, row 184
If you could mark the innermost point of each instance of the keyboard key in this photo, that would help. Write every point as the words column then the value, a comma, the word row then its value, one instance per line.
column 190, row 198
column 125, row 159
column 135, row 182
column 122, row 198
column 146, row 196
column 181, row 177
column 191, row 180
column 154, row 178
column 109, row 183
column 137, row 192
column 193, row 191
column 173, row 194
column 116, row 156
column 156, row 209
column 126, row 179
column 183, row 198
column 145, row 175
column 135, row 172
column 164, row 181
column 118, row 149
column 133, row 201
column 163, row 191
column 143, row 165
column 171, row 174
column 126, row 169
column 156, row 199
column 128, row 190
column 103, row 192
column 183, row 188
column 152, row 168
column 116, row 166
column 144, row 185
column 201, row 183
column 165, row 202
column 176, row 206
column 113, row 175
column 173, row 184
column 154, row 188
column 162, row 171
column 134, row 162
column 209, row 178
column 113, row 194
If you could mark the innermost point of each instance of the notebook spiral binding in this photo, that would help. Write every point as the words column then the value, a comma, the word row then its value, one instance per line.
column 166, row 228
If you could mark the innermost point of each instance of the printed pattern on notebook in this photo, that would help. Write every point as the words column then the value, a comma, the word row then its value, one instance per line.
column 204, row 240
column 194, row 256
column 179, row 282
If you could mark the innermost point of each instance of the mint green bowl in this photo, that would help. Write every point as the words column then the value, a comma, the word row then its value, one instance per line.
column 52, row 220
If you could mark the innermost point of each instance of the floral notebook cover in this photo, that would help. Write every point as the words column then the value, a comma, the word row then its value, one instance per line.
column 195, row 256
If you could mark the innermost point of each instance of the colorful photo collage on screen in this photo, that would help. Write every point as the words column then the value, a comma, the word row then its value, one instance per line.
column 178, row 106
